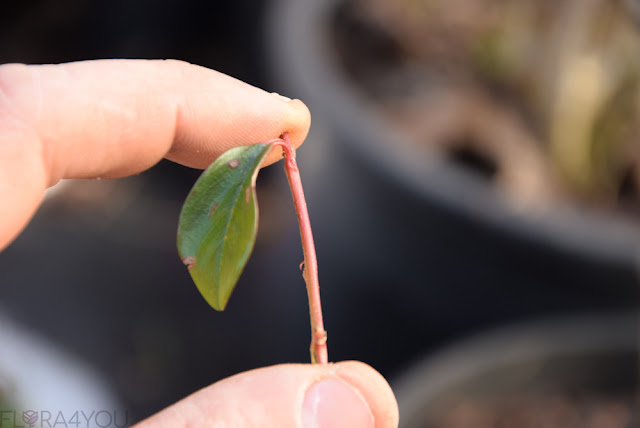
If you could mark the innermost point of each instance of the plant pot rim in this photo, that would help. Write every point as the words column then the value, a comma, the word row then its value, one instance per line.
column 560, row 335
column 301, row 59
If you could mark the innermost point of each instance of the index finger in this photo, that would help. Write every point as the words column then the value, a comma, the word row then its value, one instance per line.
column 111, row 118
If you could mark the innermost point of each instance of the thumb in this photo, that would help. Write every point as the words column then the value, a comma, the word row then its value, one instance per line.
column 347, row 394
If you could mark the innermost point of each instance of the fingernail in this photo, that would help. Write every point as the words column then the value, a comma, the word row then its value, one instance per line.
column 282, row 97
column 334, row 403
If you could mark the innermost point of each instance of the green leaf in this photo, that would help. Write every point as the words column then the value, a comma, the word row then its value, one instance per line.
column 219, row 221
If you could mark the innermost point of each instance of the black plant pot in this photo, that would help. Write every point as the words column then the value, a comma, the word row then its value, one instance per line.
column 415, row 249
column 565, row 371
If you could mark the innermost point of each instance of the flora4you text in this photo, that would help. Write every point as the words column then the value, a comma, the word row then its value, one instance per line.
column 60, row 419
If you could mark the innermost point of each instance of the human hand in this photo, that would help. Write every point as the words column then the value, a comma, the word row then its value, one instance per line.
column 348, row 394
column 114, row 118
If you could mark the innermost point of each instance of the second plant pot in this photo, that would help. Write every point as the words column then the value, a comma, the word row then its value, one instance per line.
column 560, row 372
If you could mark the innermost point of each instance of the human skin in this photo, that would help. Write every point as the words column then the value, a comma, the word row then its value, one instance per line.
column 113, row 118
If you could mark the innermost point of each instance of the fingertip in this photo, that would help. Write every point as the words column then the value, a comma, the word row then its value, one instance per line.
column 296, row 121
column 289, row 395
column 300, row 119
column 374, row 388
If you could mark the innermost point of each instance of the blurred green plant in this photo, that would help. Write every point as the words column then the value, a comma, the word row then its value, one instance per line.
column 571, row 67
column 579, row 73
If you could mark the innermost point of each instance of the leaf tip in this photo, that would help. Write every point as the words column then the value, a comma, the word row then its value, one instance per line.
column 218, row 303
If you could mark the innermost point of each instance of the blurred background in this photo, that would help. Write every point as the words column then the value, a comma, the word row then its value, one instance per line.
column 471, row 165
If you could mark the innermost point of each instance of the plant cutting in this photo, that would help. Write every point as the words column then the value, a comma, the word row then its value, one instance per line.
column 218, row 225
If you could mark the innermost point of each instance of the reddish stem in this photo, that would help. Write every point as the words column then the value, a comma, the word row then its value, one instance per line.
column 310, row 271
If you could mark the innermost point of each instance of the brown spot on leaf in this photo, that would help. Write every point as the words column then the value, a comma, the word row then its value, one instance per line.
column 213, row 208
column 189, row 262
column 234, row 163
column 247, row 194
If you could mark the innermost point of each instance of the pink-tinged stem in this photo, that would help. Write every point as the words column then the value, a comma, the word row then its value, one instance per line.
column 310, row 272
